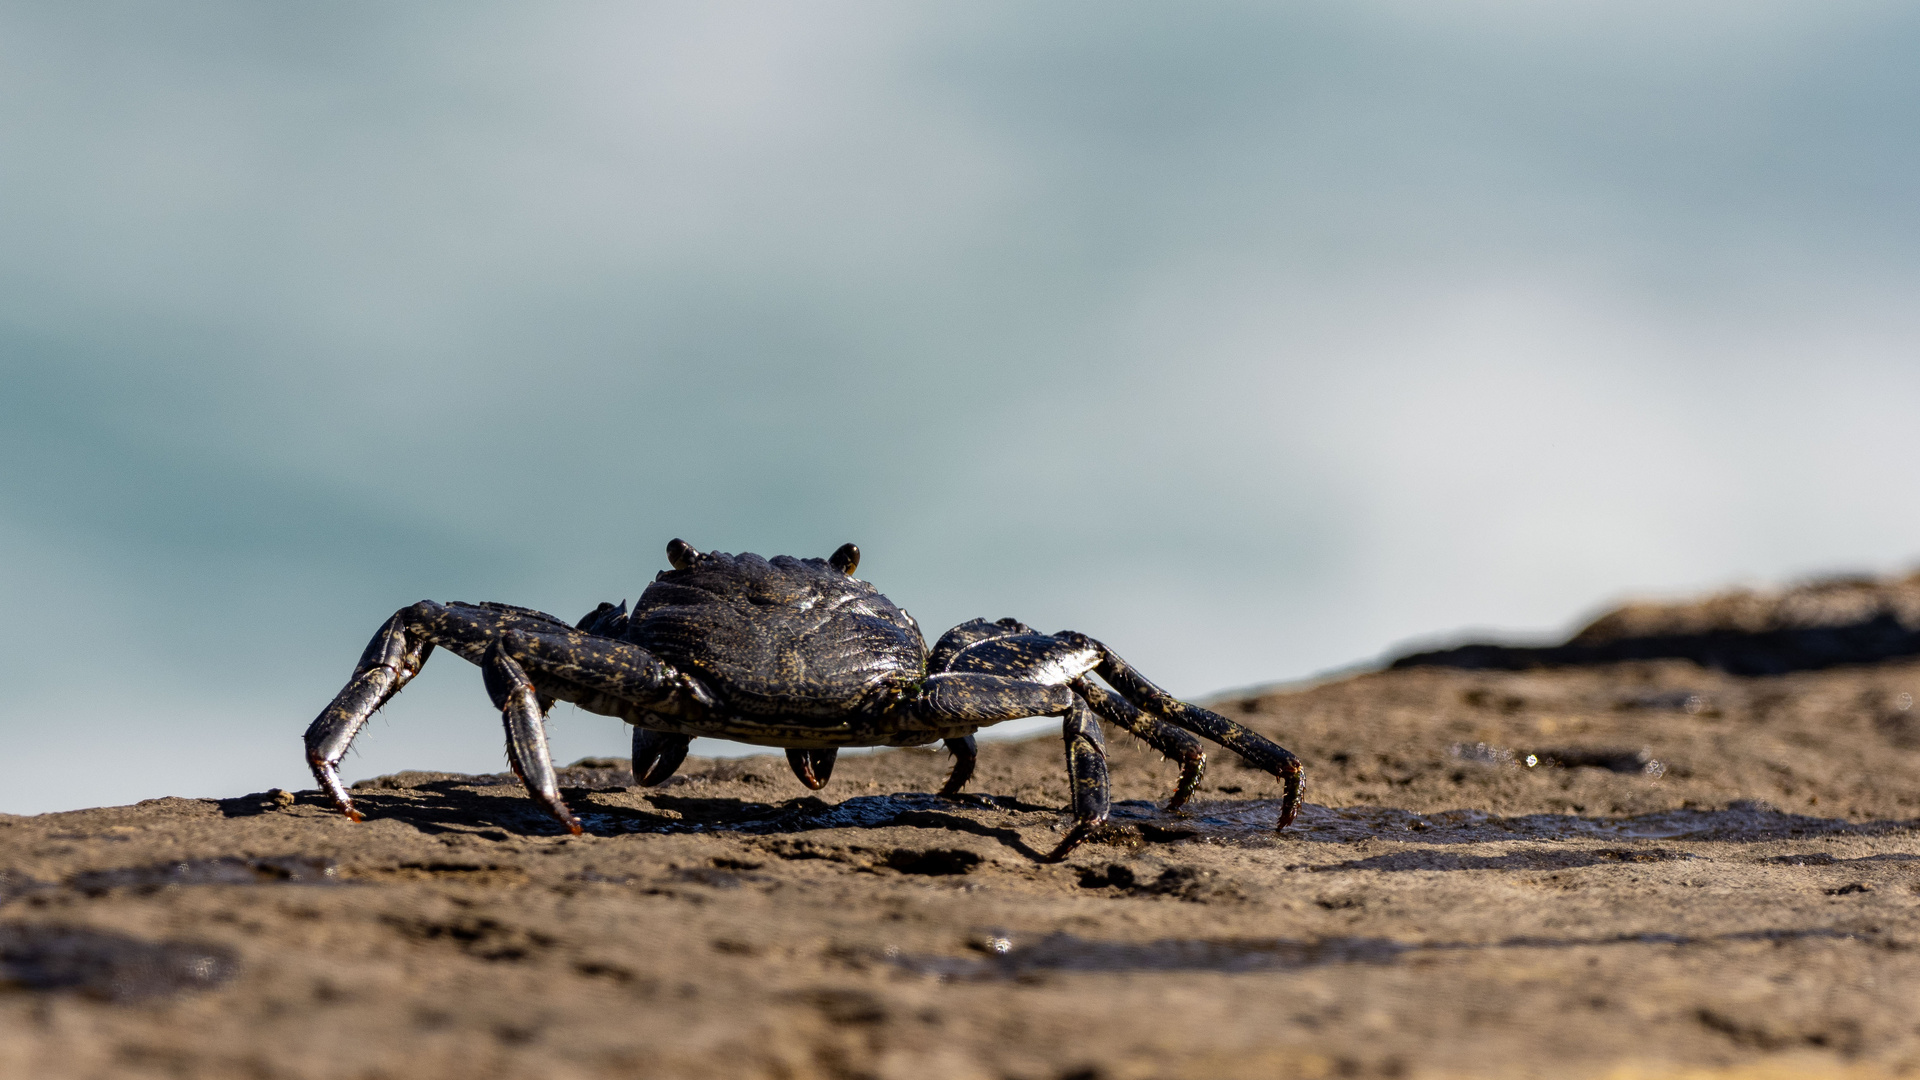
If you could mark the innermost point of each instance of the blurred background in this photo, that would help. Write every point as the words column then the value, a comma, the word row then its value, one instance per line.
column 1259, row 340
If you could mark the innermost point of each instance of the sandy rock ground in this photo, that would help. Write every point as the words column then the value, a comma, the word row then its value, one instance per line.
column 1636, row 869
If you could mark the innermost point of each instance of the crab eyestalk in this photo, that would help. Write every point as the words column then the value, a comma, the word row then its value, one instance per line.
column 846, row 559
column 680, row 554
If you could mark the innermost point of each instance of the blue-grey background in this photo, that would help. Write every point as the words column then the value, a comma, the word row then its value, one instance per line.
column 1257, row 339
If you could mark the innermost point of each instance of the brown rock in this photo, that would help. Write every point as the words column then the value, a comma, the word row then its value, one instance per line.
column 1442, row 907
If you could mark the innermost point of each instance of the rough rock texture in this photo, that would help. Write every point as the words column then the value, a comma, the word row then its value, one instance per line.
column 1826, row 602
column 1699, row 874
column 1823, row 623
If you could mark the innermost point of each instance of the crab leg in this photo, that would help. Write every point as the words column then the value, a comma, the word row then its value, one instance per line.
column 1010, row 647
column 1255, row 748
column 530, row 659
column 392, row 658
column 612, row 678
column 1173, row 743
column 514, row 695
column 1086, row 777
column 968, row 697
column 949, row 700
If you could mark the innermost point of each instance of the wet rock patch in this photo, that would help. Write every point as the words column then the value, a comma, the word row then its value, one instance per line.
column 107, row 966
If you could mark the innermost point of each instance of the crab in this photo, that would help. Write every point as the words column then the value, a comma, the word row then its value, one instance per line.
column 791, row 653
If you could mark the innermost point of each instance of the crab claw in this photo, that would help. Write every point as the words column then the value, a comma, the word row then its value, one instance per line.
column 813, row 767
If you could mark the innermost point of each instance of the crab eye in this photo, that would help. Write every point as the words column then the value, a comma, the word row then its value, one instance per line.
column 846, row 559
column 680, row 553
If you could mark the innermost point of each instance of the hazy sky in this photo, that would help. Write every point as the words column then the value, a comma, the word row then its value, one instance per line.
column 1255, row 339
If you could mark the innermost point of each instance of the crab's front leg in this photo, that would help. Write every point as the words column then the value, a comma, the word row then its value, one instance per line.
column 392, row 659
column 529, row 659
column 514, row 694
column 614, row 678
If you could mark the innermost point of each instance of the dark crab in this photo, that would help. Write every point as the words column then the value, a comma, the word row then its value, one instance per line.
column 793, row 653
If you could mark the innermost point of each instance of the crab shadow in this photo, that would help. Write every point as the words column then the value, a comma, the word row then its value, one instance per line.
column 460, row 805
column 494, row 807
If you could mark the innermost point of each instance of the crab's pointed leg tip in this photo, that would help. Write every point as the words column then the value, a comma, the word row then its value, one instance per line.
column 1074, row 838
column 354, row 815
column 564, row 815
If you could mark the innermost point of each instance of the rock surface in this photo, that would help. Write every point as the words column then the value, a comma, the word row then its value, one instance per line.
column 1648, row 868
column 1816, row 624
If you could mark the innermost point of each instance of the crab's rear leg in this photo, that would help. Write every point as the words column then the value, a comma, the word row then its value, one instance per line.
column 1255, row 748
column 1174, row 744
column 519, row 704
column 1086, row 777
column 393, row 657
column 1012, row 648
